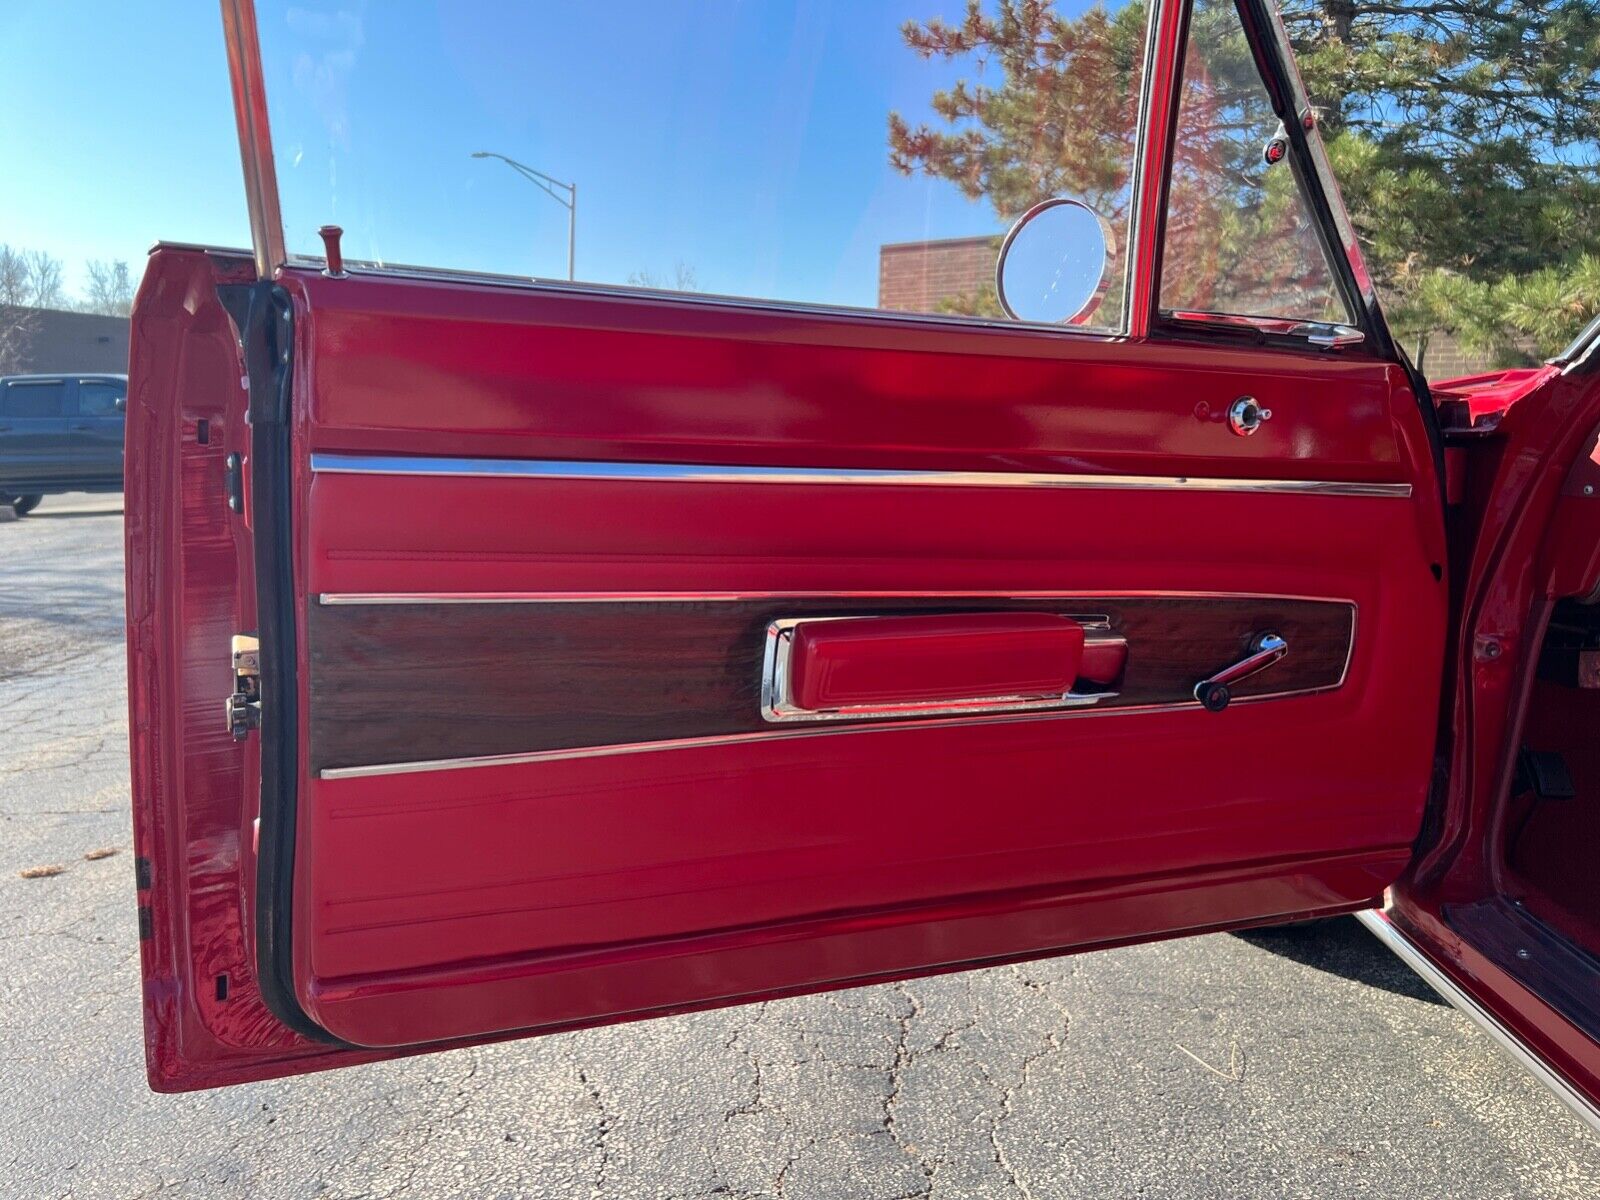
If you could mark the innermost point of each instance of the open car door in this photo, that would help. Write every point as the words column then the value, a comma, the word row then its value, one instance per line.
column 1498, row 909
column 509, row 657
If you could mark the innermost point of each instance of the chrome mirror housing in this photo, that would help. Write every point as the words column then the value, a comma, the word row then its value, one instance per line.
column 1053, row 264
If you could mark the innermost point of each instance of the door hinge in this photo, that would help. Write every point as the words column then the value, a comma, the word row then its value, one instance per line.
column 244, row 706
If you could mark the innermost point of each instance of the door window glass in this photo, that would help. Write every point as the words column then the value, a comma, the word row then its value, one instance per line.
column 25, row 398
column 1240, row 237
column 97, row 398
column 868, row 154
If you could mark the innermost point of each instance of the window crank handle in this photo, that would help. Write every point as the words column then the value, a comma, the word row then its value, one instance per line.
column 1216, row 691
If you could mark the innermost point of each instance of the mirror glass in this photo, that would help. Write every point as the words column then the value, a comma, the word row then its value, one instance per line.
column 1053, row 264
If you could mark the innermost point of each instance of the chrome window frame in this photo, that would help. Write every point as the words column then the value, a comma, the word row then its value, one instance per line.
column 1314, row 173
column 239, row 32
column 1274, row 66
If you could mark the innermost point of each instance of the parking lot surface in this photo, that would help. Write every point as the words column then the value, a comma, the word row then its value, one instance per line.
column 1304, row 1062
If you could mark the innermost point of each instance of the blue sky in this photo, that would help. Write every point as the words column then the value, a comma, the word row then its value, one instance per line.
column 745, row 139
column 116, row 128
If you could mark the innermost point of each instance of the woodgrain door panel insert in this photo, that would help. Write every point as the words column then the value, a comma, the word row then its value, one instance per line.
column 423, row 682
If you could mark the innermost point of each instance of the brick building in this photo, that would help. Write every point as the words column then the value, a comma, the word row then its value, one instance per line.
column 1446, row 358
column 67, row 341
column 915, row 276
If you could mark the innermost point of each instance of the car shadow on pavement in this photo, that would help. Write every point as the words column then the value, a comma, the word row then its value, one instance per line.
column 1342, row 946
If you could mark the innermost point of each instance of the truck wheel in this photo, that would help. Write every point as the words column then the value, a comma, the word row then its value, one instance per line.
column 25, row 504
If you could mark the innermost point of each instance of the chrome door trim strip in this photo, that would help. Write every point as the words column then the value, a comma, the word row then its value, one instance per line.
column 642, row 472
column 621, row 748
column 777, row 735
column 1407, row 951
column 1095, row 619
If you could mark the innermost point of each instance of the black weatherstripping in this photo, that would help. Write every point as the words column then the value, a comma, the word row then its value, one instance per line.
column 265, row 318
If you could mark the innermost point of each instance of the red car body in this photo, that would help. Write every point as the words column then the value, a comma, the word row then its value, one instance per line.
column 521, row 563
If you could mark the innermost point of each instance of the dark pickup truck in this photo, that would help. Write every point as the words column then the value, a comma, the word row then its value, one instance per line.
column 60, row 433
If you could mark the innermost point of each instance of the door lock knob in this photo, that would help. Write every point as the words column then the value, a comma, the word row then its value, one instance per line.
column 1245, row 415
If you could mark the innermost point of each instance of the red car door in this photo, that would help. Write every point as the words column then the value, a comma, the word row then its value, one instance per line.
column 590, row 654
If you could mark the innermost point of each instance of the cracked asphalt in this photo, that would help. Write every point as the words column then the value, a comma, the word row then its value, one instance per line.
column 1304, row 1062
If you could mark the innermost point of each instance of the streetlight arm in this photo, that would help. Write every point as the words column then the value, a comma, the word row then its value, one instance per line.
column 534, row 176
column 548, row 185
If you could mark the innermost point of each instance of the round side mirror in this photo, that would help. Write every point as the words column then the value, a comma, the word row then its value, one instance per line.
column 1052, row 267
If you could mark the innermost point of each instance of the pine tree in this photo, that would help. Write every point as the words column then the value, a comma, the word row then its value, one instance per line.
column 1463, row 134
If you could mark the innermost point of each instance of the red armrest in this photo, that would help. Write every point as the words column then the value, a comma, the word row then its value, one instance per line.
column 916, row 660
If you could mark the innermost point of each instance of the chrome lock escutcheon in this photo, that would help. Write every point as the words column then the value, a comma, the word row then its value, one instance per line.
column 1245, row 415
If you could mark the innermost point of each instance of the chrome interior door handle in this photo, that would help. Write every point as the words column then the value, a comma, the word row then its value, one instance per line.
column 1216, row 691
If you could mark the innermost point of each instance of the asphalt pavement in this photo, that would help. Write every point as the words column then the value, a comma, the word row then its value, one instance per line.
column 1305, row 1062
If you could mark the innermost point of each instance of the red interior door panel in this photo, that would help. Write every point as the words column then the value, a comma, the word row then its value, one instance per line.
column 556, row 875
column 567, row 567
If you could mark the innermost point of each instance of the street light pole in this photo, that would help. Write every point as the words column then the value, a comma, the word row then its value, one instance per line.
column 548, row 185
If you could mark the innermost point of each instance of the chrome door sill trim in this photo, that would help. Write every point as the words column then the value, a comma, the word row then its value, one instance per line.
column 639, row 472
column 1377, row 921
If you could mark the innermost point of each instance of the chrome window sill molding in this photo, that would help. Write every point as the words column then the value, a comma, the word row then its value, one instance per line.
column 641, row 472
column 342, row 598
column 1407, row 951
column 594, row 289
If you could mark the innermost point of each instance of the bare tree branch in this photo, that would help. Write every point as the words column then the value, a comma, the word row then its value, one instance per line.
column 110, row 288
